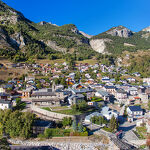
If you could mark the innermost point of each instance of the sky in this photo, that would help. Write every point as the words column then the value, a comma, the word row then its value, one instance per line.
column 90, row 16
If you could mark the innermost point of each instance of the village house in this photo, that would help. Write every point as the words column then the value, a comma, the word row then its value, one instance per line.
column 134, row 112
column 88, row 91
column 121, row 95
column 133, row 91
column 4, row 96
column 105, row 79
column 130, row 80
column 5, row 104
column 48, row 97
column 110, row 89
column 144, row 97
column 75, row 99
column 103, row 94
column 134, row 100
column 146, row 80
column 108, row 113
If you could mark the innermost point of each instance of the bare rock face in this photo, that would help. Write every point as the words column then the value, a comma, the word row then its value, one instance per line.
column 11, row 19
column 147, row 29
column 43, row 23
column 75, row 30
column 17, row 39
column 99, row 45
column 130, row 45
column 54, row 46
column 120, row 31
column 86, row 35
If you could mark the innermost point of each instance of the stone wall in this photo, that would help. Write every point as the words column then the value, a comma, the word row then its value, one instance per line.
column 138, row 142
column 49, row 114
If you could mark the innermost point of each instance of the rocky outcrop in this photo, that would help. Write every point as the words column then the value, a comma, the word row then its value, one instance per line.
column 54, row 46
column 130, row 45
column 146, row 29
column 18, row 40
column 86, row 35
column 9, row 19
column 44, row 22
column 75, row 30
column 120, row 31
column 99, row 45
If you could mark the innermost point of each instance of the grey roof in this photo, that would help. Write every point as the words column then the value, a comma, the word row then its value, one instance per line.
column 121, row 91
column 2, row 101
column 46, row 100
column 85, row 90
column 43, row 94
column 76, row 96
column 132, row 89
column 103, row 93
column 109, row 87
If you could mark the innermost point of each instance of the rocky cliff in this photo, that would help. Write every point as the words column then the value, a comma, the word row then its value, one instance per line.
column 99, row 45
column 146, row 29
column 120, row 31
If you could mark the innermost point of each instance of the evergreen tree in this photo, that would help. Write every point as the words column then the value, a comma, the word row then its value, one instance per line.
column 113, row 123
column 80, row 127
column 74, row 125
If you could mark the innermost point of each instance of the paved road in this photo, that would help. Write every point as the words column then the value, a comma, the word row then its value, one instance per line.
column 127, row 128
column 122, row 144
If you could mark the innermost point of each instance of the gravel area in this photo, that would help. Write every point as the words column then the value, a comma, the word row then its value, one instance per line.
column 61, row 145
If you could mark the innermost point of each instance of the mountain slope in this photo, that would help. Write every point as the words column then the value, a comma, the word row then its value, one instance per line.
column 21, row 39
column 119, row 39
column 27, row 38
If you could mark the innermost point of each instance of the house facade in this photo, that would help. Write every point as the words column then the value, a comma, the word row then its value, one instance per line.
column 5, row 104
column 134, row 112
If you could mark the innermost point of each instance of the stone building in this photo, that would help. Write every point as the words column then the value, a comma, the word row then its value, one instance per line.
column 48, row 97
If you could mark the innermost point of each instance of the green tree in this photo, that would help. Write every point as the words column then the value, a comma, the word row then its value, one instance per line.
column 113, row 125
column 16, row 123
column 67, row 121
column 80, row 127
column 74, row 125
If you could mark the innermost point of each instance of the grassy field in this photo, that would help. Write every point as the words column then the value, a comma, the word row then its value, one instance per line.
column 68, row 112
column 46, row 108
column 89, row 61
column 45, row 61
column 11, row 73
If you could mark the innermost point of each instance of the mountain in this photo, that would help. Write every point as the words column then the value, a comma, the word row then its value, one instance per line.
column 119, row 39
column 120, row 31
column 20, row 36
column 22, row 39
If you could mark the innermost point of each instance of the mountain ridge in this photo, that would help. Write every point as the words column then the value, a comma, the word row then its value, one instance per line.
column 24, row 38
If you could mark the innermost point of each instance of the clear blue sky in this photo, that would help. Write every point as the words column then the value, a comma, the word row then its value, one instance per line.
column 90, row 16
